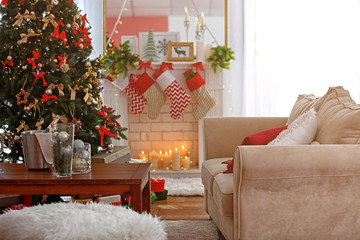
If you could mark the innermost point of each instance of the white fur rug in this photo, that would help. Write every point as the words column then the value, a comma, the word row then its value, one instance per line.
column 184, row 186
column 79, row 221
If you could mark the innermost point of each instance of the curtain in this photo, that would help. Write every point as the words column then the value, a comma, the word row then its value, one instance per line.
column 292, row 47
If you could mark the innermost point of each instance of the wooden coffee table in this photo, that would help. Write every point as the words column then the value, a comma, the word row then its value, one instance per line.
column 115, row 178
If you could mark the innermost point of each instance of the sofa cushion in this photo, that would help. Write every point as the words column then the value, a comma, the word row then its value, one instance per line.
column 223, row 193
column 303, row 104
column 338, row 118
column 301, row 131
column 210, row 168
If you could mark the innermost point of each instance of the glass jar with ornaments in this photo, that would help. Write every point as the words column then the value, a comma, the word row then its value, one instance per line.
column 82, row 157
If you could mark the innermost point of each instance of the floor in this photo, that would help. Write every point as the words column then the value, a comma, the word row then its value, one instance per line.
column 181, row 208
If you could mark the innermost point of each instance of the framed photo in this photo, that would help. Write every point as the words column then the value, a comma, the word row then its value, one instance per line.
column 181, row 51
column 133, row 43
column 161, row 41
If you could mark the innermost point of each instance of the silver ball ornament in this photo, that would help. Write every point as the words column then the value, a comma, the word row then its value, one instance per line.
column 66, row 150
column 24, row 67
column 78, row 145
column 47, row 12
column 32, row 13
column 97, row 127
column 81, row 40
column 48, row 91
column 55, row 2
column 27, row 108
column 39, row 65
column 110, row 146
column 63, row 136
column 81, row 45
column 68, row 25
column 55, row 60
column 85, row 154
column 9, row 58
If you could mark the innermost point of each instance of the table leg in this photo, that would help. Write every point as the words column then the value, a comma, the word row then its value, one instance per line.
column 136, row 198
column 146, row 200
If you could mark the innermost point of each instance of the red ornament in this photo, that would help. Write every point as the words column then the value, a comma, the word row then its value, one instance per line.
column 26, row 95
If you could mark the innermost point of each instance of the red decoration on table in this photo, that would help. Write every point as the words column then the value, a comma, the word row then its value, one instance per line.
column 40, row 75
column 157, row 185
column 32, row 60
column 46, row 97
column 102, row 133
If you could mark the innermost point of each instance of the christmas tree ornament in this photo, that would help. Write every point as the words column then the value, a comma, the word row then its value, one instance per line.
column 90, row 73
column 27, row 109
column 61, row 36
column 40, row 75
column 56, row 118
column 75, row 26
column 59, row 87
column 87, row 64
column 39, row 65
column 88, row 98
column 104, row 131
column 99, row 101
column 17, row 138
column 64, row 67
column 20, row 18
column 68, row 25
column 63, row 136
column 81, row 45
column 9, row 58
column 8, row 62
column 25, row 37
column 150, row 91
column 109, row 147
column 73, row 91
column 137, row 100
column 10, row 138
column 47, row 13
column 55, row 2
column 51, row 20
column 22, row 93
column 34, row 57
column 55, row 60
column 97, row 127
column 66, row 150
column 39, row 124
column 48, row 91
column 24, row 67
column 36, row 106
column 22, row 126
column 196, row 84
column 178, row 97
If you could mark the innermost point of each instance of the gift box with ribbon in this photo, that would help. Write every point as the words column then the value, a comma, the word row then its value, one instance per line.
column 157, row 185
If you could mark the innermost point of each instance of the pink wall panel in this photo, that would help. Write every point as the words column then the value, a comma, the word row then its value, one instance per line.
column 131, row 26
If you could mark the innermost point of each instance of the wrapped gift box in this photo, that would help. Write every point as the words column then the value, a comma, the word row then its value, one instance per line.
column 120, row 154
column 162, row 195
column 157, row 185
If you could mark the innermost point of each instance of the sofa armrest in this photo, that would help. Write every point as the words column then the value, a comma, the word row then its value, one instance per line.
column 299, row 184
column 219, row 136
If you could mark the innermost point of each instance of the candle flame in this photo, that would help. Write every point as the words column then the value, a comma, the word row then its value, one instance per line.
column 160, row 152
column 170, row 151
column 186, row 157
column 176, row 149
column 182, row 147
column 142, row 152
column 185, row 9
column 166, row 153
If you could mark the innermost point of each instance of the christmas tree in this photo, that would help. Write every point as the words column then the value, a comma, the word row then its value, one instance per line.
column 150, row 50
column 47, row 77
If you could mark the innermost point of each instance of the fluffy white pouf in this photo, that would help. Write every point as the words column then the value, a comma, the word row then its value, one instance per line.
column 79, row 221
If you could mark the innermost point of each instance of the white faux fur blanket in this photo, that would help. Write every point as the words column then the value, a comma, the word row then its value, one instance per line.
column 184, row 186
column 79, row 221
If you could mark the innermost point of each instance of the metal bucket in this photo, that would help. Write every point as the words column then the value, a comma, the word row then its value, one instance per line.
column 33, row 156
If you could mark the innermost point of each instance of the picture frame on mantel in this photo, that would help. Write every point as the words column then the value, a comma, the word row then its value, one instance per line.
column 133, row 42
column 180, row 51
column 161, row 39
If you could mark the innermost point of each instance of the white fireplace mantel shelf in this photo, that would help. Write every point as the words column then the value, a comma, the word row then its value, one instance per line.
column 192, row 173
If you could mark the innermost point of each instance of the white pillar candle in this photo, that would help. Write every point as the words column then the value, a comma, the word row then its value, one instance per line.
column 154, row 160
column 186, row 14
column 166, row 161
column 200, row 51
column 176, row 160
column 186, row 163
column 143, row 156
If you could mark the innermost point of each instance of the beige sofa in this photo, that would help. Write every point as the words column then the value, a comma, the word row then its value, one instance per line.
column 280, row 192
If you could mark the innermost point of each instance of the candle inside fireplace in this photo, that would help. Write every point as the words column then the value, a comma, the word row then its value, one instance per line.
column 143, row 156
column 186, row 163
column 166, row 161
column 153, row 156
column 176, row 160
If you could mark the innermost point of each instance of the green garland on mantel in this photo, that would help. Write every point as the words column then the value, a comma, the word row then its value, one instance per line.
column 119, row 60
column 220, row 57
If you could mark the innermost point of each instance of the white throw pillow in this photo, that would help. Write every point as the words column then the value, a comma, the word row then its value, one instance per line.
column 299, row 132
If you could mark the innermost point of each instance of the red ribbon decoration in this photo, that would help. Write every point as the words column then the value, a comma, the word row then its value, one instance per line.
column 80, row 42
column 7, row 62
column 102, row 133
column 145, row 65
column 84, row 19
column 60, row 23
column 102, row 113
column 4, row 2
column 32, row 60
column 20, row 1
column 85, row 34
column 62, row 35
column 40, row 75
column 198, row 66
column 62, row 60
column 166, row 64
column 46, row 97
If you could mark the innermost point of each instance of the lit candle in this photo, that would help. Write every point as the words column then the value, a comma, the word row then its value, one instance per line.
column 186, row 163
column 202, row 19
column 143, row 156
column 153, row 156
column 166, row 161
column 186, row 14
column 176, row 160
column 160, row 159
column 197, row 25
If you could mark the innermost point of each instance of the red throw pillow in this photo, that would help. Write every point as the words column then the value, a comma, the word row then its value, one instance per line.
column 260, row 138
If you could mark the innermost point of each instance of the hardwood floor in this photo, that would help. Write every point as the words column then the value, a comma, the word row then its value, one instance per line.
column 180, row 208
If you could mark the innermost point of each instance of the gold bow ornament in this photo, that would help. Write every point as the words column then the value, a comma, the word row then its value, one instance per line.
column 88, row 96
column 73, row 92
column 56, row 118
column 38, row 124
column 99, row 102
column 35, row 106
column 60, row 88
column 89, row 73
column 21, row 17
column 24, row 36
column 22, row 126
column 50, row 19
